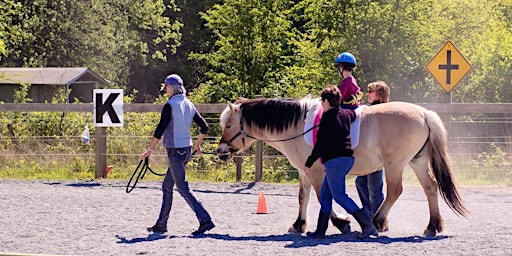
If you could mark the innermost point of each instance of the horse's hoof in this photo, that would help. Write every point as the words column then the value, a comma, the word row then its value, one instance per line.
column 429, row 233
column 382, row 226
column 299, row 226
column 292, row 230
column 342, row 224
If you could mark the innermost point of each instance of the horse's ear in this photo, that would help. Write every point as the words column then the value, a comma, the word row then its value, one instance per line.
column 232, row 107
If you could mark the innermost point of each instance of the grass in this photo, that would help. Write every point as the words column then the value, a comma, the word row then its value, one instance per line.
column 82, row 170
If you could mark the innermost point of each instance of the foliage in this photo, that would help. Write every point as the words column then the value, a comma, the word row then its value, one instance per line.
column 114, row 38
column 251, row 52
column 489, row 53
column 392, row 40
column 230, row 49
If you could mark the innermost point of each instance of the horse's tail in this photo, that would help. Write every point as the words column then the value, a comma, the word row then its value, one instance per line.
column 440, row 163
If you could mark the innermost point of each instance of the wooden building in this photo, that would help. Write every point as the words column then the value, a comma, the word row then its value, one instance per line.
column 77, row 83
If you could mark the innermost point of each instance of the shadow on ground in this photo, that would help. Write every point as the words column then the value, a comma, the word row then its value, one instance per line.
column 149, row 238
column 297, row 241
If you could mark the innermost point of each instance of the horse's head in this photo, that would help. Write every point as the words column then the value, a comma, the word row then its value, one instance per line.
column 234, row 139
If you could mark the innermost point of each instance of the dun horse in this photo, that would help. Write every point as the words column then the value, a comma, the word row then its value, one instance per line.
column 392, row 135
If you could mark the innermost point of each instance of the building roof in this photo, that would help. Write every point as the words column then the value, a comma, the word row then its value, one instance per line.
column 49, row 76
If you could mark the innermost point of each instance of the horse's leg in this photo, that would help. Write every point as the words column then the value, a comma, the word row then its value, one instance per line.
column 340, row 221
column 421, row 169
column 301, row 223
column 394, row 190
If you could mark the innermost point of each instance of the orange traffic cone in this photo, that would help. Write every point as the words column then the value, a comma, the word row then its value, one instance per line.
column 262, row 204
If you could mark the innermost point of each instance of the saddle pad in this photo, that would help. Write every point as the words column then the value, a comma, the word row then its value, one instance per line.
column 316, row 112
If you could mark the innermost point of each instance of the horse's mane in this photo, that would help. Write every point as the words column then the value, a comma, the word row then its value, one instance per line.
column 274, row 115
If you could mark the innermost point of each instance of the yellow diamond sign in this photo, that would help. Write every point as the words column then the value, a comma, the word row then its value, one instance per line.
column 448, row 67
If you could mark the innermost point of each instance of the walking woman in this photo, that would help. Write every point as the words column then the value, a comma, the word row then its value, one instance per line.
column 174, row 126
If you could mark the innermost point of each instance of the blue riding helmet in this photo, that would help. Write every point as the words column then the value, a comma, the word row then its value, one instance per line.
column 174, row 80
column 345, row 57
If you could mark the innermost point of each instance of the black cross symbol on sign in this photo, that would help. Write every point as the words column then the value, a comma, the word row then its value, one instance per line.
column 448, row 66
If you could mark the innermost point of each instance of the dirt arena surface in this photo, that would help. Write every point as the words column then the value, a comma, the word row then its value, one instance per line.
column 100, row 218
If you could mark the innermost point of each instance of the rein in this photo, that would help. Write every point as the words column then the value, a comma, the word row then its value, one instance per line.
column 292, row 138
column 244, row 134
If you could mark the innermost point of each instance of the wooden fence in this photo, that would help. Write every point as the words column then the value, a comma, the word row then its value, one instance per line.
column 443, row 109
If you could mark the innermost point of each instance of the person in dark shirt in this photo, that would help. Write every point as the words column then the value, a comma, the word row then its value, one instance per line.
column 334, row 148
column 174, row 126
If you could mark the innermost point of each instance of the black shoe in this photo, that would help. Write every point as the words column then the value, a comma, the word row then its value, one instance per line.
column 321, row 228
column 315, row 234
column 157, row 229
column 205, row 226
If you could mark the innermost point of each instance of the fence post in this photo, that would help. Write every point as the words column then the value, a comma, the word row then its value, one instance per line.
column 258, row 157
column 101, row 152
column 238, row 162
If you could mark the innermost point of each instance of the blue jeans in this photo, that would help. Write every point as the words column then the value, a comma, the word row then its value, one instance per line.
column 176, row 175
column 333, row 186
column 369, row 187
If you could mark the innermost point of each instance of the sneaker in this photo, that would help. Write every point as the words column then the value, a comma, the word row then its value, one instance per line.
column 205, row 226
column 157, row 229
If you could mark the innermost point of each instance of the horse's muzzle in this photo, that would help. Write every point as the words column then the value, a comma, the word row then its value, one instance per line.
column 224, row 153
column 225, row 157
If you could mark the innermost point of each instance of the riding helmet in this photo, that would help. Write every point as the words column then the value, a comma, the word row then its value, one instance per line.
column 345, row 59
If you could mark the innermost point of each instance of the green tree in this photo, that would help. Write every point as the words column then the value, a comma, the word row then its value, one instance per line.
column 489, row 50
column 113, row 38
column 394, row 40
column 196, row 38
column 7, row 9
column 390, row 39
column 251, row 51
column 11, row 31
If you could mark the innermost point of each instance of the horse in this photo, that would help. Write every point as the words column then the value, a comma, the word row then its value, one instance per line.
column 392, row 136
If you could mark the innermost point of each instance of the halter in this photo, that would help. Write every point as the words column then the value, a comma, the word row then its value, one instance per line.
column 241, row 132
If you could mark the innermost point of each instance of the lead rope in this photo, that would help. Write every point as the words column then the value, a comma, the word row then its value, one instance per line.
column 141, row 173
column 145, row 168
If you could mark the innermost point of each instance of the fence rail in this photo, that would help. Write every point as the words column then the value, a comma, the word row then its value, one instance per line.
column 445, row 110
column 440, row 108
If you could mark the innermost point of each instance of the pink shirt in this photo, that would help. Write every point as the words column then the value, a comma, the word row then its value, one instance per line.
column 348, row 87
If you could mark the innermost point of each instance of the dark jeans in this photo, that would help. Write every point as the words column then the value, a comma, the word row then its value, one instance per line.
column 176, row 175
column 369, row 187
column 334, row 185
